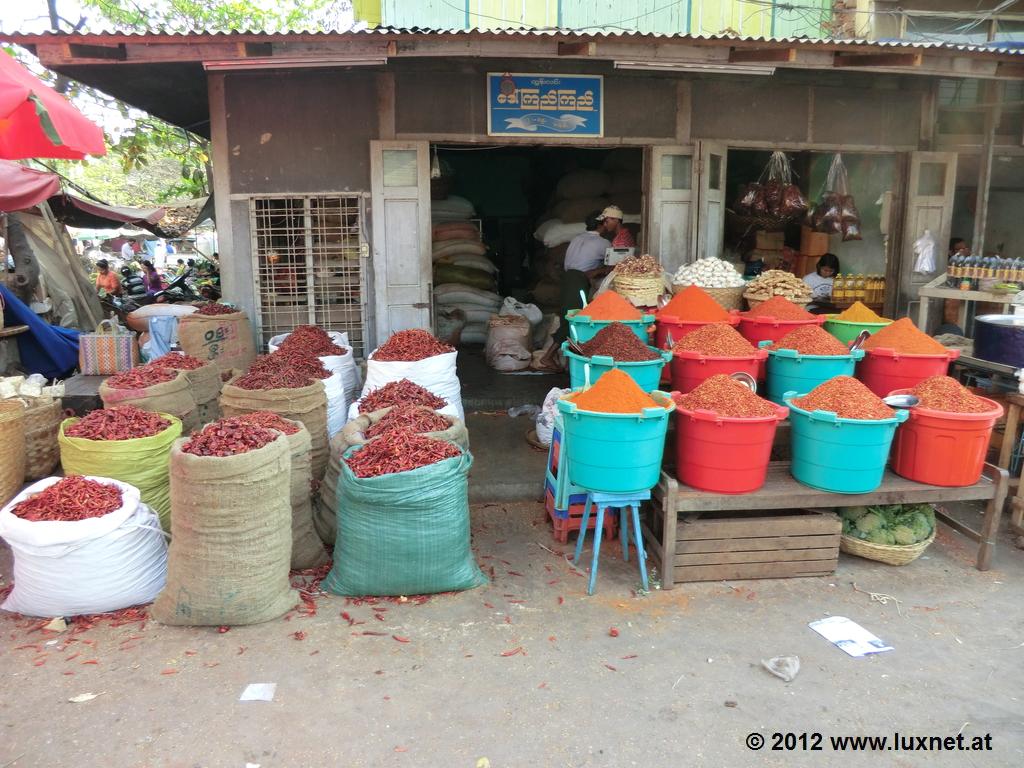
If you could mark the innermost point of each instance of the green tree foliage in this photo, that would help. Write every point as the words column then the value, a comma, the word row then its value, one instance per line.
column 218, row 15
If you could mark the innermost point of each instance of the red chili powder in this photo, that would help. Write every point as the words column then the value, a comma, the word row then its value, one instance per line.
column 694, row 304
column 903, row 336
column 811, row 340
column 618, row 342
column 610, row 306
column 779, row 308
column 943, row 393
column 725, row 396
column 715, row 340
column 847, row 398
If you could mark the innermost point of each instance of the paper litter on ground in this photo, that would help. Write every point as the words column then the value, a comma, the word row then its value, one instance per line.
column 849, row 635
column 258, row 692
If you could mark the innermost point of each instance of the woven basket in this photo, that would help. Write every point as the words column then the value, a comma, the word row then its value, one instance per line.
column 890, row 554
column 42, row 423
column 642, row 290
column 729, row 298
column 12, row 448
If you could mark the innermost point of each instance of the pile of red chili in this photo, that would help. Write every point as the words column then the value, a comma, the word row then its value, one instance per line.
column 618, row 342
column 779, row 308
column 311, row 340
column 943, row 393
column 410, row 346
column 725, row 396
column 293, row 359
column 70, row 499
column 903, row 336
column 270, row 420
column 215, row 309
column 399, row 451
column 401, row 392
column 273, row 378
column 123, row 422
column 847, row 398
column 694, row 304
column 228, row 437
column 811, row 340
column 412, row 418
column 179, row 362
column 610, row 306
column 141, row 377
column 715, row 340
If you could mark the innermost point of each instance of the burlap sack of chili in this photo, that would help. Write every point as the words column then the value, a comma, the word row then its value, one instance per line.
column 305, row 404
column 307, row 549
column 226, row 340
column 231, row 552
column 206, row 385
column 173, row 397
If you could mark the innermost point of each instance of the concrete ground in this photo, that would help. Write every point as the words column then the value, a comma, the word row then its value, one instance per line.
column 526, row 671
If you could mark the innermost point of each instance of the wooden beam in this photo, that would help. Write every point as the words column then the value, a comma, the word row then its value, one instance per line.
column 112, row 52
column 577, row 49
column 877, row 60
column 754, row 55
column 1009, row 69
column 260, row 50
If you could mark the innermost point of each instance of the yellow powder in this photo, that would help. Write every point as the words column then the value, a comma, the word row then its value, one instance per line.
column 860, row 313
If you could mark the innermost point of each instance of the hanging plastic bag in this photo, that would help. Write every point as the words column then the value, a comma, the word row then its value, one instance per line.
column 925, row 249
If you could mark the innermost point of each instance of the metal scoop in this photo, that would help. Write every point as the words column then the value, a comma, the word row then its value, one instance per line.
column 861, row 338
column 901, row 401
column 746, row 380
column 574, row 343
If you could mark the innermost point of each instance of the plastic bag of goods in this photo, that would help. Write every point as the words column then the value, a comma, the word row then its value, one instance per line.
column 219, row 333
column 230, row 511
column 341, row 362
column 508, row 346
column 545, row 422
column 155, row 389
column 68, row 564
column 418, row 356
column 126, row 444
column 448, row 324
column 404, row 532
column 205, row 379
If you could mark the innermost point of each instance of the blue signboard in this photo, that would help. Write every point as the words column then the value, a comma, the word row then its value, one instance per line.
column 544, row 105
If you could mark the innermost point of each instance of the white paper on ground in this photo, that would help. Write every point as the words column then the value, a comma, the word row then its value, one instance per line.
column 849, row 635
column 258, row 692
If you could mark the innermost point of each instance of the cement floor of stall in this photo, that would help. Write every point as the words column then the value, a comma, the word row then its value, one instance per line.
column 527, row 671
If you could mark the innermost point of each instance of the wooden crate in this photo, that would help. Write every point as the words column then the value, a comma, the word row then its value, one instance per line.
column 755, row 544
column 771, row 241
column 813, row 243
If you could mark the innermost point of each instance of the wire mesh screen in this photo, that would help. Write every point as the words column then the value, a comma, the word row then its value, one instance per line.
column 308, row 264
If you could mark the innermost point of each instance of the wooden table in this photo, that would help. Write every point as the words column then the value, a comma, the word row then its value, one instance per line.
column 673, row 501
column 937, row 289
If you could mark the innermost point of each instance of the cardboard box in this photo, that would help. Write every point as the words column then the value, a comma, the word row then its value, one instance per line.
column 813, row 243
column 771, row 241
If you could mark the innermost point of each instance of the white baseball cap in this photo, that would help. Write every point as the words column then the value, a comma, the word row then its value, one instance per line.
column 611, row 212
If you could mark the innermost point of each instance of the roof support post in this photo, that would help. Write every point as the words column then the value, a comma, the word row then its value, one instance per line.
column 993, row 98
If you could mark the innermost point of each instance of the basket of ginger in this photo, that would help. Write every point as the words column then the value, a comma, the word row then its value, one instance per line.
column 848, row 324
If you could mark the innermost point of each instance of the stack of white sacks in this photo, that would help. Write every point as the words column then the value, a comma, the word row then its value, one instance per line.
column 464, row 278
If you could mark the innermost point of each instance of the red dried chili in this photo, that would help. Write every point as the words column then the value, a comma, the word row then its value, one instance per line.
column 725, row 396
column 847, row 398
column 811, row 340
column 273, row 377
column 123, row 422
column 141, row 377
column 216, row 309
column 412, row 418
column 303, row 362
column 618, row 342
column 943, row 393
column 399, row 451
column 313, row 341
column 715, row 340
column 270, row 420
column 410, row 346
column 401, row 392
column 228, row 437
column 70, row 499
column 179, row 362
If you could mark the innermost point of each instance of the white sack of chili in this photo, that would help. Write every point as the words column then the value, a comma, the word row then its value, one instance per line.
column 96, row 565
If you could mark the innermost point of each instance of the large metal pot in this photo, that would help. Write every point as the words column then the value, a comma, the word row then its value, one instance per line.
column 1000, row 339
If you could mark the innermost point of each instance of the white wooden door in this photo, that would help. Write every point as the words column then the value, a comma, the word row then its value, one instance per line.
column 400, row 184
column 930, row 186
column 710, row 186
column 668, row 205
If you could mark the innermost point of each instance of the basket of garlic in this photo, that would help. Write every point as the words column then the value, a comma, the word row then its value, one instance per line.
column 716, row 276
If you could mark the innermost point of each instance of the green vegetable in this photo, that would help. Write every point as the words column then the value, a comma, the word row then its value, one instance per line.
column 869, row 522
column 904, row 535
column 881, row 536
column 854, row 513
column 899, row 524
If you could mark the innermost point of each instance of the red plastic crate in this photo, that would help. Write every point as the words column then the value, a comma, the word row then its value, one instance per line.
column 563, row 526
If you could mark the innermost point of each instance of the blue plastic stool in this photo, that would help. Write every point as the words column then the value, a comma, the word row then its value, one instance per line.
column 620, row 501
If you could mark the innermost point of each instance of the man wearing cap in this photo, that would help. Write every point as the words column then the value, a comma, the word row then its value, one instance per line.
column 611, row 228
column 107, row 280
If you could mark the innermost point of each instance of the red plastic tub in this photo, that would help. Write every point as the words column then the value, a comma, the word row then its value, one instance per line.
column 940, row 448
column 724, row 455
column 757, row 329
column 884, row 370
column 691, row 368
column 666, row 324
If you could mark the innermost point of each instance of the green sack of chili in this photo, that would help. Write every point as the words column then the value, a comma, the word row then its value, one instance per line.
column 404, row 533
column 114, row 448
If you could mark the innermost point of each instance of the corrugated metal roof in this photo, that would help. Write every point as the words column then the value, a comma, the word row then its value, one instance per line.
column 1010, row 49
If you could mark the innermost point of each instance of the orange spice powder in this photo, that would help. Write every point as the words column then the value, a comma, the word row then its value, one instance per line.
column 610, row 306
column 693, row 304
column 903, row 336
column 614, row 392
column 779, row 308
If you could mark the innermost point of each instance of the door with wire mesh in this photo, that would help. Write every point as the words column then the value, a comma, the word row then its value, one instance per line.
column 309, row 254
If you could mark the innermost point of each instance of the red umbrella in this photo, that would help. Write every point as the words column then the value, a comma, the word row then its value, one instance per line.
column 36, row 121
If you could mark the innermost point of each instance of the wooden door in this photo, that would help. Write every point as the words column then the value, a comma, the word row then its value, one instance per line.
column 400, row 184
column 668, row 205
column 710, row 186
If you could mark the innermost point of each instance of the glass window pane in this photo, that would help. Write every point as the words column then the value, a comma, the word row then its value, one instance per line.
column 715, row 172
column 932, row 179
column 399, row 167
column 675, row 171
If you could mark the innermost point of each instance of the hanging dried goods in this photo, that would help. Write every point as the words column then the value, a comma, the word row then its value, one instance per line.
column 836, row 213
column 614, row 392
column 943, row 393
column 401, row 392
column 693, row 304
column 141, row 377
column 711, row 272
column 725, row 396
column 123, row 422
column 776, row 282
column 811, row 340
column 178, row 362
column 776, row 197
column 399, row 451
column 610, row 306
column 905, row 337
column 715, row 340
column 228, row 437
column 411, row 418
column 70, row 499
column 618, row 342
column 216, row 309
column 847, row 398
column 410, row 346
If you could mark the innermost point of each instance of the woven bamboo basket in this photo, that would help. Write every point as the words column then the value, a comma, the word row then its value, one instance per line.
column 12, row 448
column 42, row 423
column 890, row 554
column 642, row 290
column 729, row 298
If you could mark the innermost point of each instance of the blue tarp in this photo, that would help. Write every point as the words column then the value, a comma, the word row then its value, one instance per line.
column 44, row 348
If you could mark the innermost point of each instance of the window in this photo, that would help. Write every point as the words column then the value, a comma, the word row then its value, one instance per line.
column 308, row 263
column 676, row 171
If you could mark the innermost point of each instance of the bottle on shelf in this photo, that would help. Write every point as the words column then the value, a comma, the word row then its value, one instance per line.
column 858, row 288
column 837, row 288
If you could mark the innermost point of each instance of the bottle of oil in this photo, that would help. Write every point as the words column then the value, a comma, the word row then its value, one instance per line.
column 858, row 287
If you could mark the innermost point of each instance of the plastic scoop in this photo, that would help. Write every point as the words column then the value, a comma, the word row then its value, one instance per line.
column 901, row 401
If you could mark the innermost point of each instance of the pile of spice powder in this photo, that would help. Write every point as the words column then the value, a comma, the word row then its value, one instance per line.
column 943, row 393
column 399, row 451
column 858, row 312
column 716, row 340
column 270, row 420
column 141, row 377
column 614, row 392
column 618, row 342
column 847, row 398
column 401, row 392
column 70, row 499
column 694, row 304
column 723, row 395
column 610, row 306
column 216, row 309
column 779, row 308
column 811, row 340
column 228, row 437
column 410, row 346
column 311, row 340
column 122, row 422
column 412, row 418
column 905, row 337
column 179, row 362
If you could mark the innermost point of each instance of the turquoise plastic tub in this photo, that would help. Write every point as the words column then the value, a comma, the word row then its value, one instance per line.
column 839, row 455
column 789, row 371
column 646, row 373
column 586, row 328
column 615, row 452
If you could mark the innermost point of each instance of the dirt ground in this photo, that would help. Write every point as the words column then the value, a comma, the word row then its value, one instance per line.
column 530, row 671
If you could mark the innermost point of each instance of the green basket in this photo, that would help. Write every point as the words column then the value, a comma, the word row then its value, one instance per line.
column 847, row 331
